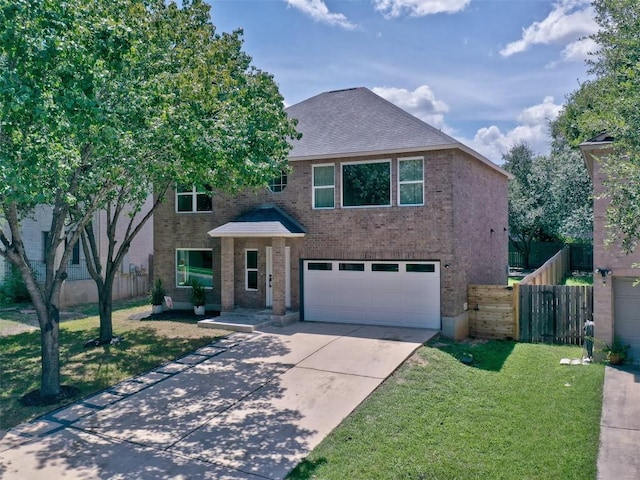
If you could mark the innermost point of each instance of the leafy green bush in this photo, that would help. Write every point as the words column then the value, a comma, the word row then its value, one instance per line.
column 13, row 289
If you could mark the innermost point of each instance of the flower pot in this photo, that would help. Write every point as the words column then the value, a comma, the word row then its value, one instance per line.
column 199, row 310
column 156, row 309
column 615, row 359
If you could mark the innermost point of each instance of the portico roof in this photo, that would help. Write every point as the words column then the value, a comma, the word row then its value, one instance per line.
column 265, row 221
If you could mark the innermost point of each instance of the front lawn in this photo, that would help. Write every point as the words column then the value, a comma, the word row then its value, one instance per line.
column 515, row 413
column 146, row 345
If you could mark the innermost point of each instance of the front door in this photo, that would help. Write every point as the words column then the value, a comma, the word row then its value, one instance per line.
column 269, row 276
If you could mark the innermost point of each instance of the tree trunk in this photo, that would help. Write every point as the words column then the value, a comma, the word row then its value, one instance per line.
column 105, row 308
column 50, row 343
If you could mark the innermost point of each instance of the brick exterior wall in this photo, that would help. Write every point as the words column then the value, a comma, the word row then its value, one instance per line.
column 609, row 257
column 464, row 199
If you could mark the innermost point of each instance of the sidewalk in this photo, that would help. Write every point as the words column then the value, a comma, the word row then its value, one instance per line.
column 619, row 452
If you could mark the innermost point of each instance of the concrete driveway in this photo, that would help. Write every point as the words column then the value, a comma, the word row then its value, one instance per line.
column 250, row 406
column 619, row 452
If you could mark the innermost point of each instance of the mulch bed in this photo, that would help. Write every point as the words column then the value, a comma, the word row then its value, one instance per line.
column 180, row 315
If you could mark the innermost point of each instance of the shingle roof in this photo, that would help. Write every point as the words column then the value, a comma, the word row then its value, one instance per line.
column 356, row 121
column 265, row 221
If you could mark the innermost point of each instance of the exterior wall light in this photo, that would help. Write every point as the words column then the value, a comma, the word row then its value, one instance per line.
column 604, row 272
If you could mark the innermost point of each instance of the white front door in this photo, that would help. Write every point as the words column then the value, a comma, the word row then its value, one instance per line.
column 269, row 275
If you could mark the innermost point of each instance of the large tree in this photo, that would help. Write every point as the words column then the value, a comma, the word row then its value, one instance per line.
column 549, row 198
column 226, row 128
column 608, row 103
column 101, row 100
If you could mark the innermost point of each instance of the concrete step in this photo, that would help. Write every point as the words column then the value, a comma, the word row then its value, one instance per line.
column 237, row 323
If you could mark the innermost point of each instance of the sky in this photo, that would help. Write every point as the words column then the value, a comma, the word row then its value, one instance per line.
column 489, row 73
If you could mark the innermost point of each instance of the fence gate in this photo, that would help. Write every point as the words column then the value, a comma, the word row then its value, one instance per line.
column 554, row 313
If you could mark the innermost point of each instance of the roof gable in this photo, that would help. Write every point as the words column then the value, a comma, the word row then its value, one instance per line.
column 357, row 120
column 265, row 221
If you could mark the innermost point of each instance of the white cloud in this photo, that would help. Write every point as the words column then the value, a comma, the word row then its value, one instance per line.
column 579, row 50
column 319, row 11
column 418, row 8
column 421, row 102
column 533, row 130
column 569, row 21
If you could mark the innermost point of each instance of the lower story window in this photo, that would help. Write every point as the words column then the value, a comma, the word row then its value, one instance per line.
column 192, row 264
column 251, row 269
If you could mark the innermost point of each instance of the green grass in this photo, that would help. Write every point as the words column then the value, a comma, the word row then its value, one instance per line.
column 579, row 280
column 516, row 413
column 146, row 345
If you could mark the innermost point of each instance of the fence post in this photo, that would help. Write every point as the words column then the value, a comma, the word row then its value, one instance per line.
column 516, row 311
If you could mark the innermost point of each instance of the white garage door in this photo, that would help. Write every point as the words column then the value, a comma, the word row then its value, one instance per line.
column 403, row 293
column 626, row 322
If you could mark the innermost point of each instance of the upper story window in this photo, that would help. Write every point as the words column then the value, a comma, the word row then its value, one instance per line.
column 193, row 199
column 279, row 183
column 366, row 184
column 324, row 186
column 411, row 181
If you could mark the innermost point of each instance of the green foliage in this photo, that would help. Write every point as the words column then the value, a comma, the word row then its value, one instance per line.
column 618, row 347
column 198, row 293
column 13, row 289
column 101, row 101
column 157, row 293
column 549, row 198
column 609, row 104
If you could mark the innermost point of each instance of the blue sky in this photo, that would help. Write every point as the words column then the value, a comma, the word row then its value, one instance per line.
column 489, row 73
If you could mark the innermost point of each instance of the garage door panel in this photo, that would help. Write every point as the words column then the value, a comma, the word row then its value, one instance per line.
column 399, row 298
column 627, row 314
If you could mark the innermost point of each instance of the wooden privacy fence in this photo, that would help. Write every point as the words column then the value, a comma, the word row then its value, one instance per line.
column 553, row 313
column 492, row 312
column 552, row 272
column 530, row 313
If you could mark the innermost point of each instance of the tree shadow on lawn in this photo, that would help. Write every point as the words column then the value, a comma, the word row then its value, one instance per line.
column 487, row 355
column 88, row 369
column 306, row 469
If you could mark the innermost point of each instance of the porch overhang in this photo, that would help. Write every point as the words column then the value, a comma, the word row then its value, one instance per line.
column 267, row 221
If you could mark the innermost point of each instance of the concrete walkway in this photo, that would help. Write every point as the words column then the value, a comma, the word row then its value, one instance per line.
column 250, row 406
column 619, row 453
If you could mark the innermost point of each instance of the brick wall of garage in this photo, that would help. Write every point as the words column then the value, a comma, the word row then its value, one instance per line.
column 480, row 227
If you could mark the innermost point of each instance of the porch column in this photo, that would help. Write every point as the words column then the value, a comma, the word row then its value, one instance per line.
column 227, row 294
column 279, row 307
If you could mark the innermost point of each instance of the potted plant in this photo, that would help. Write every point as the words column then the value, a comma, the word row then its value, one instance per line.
column 617, row 352
column 156, row 296
column 197, row 297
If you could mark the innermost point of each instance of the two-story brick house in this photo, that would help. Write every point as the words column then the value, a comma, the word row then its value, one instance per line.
column 382, row 219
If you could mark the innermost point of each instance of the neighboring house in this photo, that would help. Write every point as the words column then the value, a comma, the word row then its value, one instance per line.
column 79, row 287
column 616, row 301
column 382, row 219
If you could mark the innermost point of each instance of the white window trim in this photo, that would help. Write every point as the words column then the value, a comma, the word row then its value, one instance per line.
column 247, row 270
column 388, row 160
column 194, row 200
column 410, row 182
column 322, row 187
column 175, row 264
